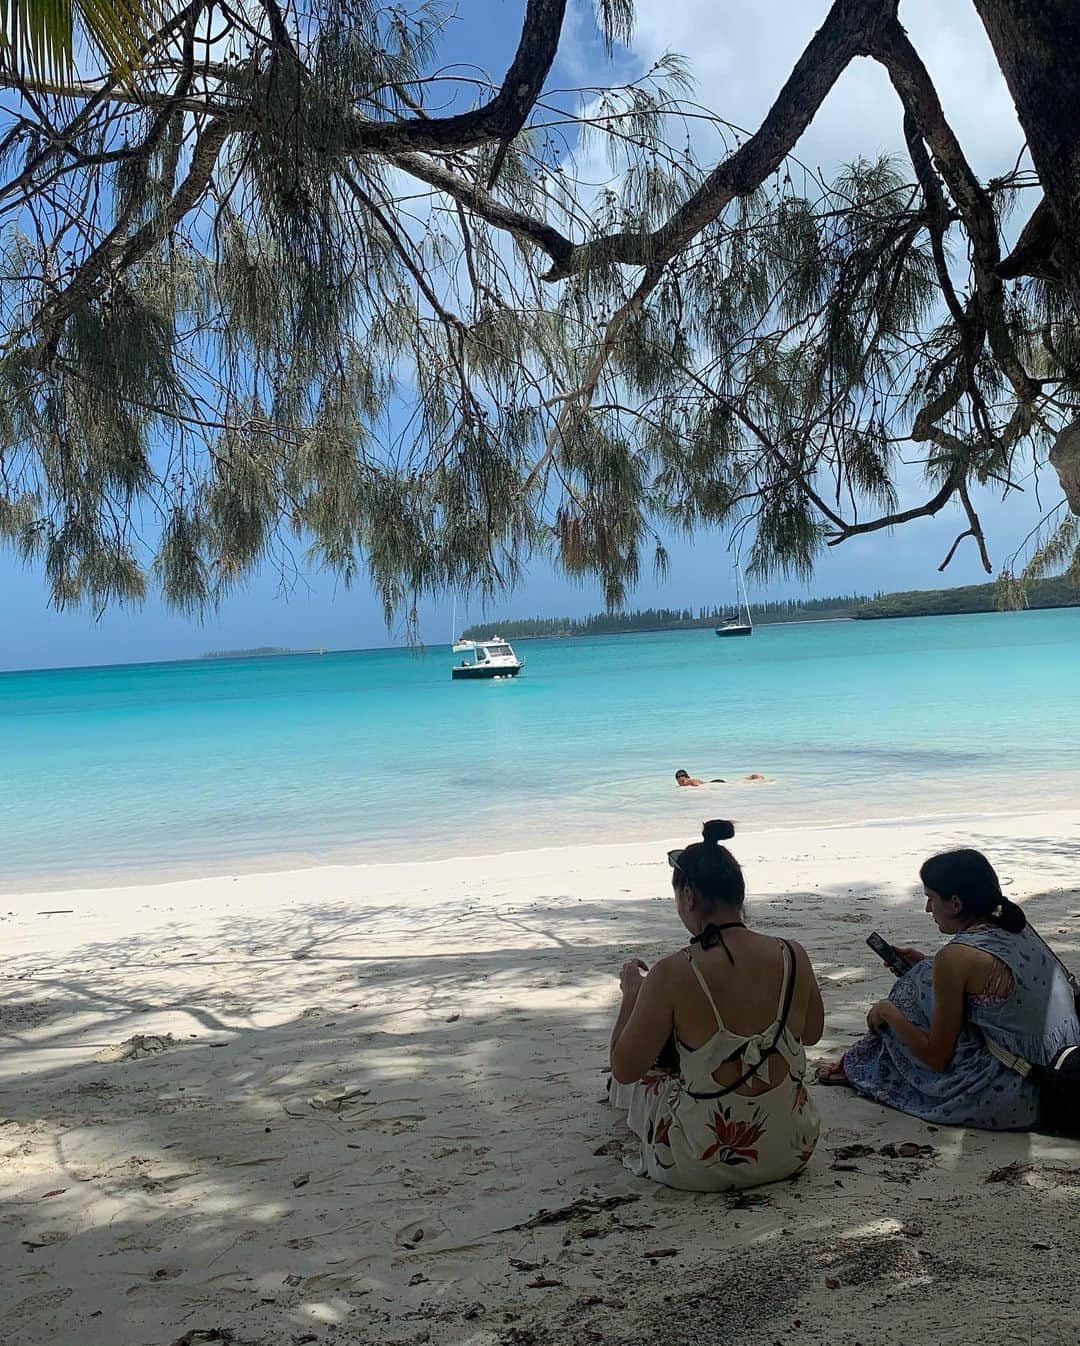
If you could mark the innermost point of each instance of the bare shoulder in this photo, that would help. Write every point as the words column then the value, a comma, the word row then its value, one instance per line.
column 956, row 955
column 669, row 967
column 959, row 959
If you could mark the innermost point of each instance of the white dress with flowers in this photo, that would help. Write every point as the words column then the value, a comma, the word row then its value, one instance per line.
column 700, row 1143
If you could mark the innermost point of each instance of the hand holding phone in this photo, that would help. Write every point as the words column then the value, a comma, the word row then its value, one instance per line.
column 890, row 956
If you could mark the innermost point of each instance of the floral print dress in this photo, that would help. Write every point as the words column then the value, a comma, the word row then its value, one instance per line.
column 700, row 1143
column 1035, row 1018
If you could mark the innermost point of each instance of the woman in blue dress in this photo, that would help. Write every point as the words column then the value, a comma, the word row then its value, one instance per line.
column 926, row 1051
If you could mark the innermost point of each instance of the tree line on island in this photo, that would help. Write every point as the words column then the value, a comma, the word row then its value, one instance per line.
column 1049, row 593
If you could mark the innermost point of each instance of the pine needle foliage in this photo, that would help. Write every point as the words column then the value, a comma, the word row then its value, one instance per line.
column 233, row 330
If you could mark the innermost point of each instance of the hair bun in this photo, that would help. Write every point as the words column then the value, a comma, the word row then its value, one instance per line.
column 717, row 830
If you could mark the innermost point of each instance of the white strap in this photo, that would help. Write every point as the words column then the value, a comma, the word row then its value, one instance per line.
column 1017, row 1063
column 708, row 994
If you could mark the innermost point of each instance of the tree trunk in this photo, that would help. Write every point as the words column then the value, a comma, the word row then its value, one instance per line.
column 1037, row 44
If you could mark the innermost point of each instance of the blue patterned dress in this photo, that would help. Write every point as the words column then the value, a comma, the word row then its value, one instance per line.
column 1035, row 1020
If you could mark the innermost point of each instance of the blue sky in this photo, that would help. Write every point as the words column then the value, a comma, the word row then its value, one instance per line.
column 739, row 61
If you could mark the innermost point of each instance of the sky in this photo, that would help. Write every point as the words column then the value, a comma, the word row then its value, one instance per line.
column 740, row 51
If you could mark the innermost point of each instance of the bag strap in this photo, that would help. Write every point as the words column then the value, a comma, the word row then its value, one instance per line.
column 790, row 972
column 1023, row 1068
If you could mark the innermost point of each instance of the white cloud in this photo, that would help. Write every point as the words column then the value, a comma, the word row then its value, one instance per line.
column 741, row 51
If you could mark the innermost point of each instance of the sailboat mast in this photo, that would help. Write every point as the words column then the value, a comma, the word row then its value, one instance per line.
column 746, row 604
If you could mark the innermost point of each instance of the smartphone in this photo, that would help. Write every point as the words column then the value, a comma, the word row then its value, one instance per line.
column 888, row 954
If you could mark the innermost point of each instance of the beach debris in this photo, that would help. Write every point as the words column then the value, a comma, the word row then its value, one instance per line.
column 138, row 1046
column 56, row 1191
column 746, row 1200
column 852, row 1152
column 293, row 1280
column 417, row 1278
column 542, row 1283
column 1012, row 1173
column 46, row 1239
column 519, row 1264
column 615, row 1147
column 476, row 1310
column 198, row 1335
column 656, row 1253
column 453, row 1018
column 301, row 1180
column 831, row 1283
column 908, row 1150
column 575, row 1210
column 58, row 911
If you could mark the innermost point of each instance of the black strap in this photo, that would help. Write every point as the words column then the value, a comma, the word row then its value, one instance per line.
column 789, row 992
column 714, row 934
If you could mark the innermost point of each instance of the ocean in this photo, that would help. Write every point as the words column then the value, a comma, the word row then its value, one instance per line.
column 211, row 767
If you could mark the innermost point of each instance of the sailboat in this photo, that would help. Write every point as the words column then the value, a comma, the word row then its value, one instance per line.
column 734, row 625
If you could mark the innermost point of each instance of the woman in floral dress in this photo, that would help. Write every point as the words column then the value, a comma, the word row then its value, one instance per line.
column 735, row 1010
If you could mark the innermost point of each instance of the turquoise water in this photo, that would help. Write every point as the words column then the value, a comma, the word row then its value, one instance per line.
column 213, row 766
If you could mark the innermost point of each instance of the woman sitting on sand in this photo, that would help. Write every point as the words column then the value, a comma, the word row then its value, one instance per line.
column 925, row 1053
column 741, row 1006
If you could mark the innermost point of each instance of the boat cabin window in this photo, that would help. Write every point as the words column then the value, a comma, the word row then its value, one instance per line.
column 501, row 651
column 481, row 654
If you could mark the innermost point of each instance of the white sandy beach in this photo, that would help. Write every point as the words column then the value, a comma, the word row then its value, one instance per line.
column 367, row 1107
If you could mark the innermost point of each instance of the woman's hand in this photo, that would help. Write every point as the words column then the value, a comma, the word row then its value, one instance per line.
column 881, row 1013
column 632, row 975
column 912, row 956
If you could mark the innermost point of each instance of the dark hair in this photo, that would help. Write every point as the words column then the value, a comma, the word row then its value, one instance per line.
column 711, row 869
column 681, row 772
column 969, row 876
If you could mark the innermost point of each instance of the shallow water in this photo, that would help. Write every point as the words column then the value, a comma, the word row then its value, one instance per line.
column 215, row 765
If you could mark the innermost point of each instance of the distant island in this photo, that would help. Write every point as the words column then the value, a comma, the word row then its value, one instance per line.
column 262, row 652
column 1049, row 593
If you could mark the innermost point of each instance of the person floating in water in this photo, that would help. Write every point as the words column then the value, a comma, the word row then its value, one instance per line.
column 684, row 779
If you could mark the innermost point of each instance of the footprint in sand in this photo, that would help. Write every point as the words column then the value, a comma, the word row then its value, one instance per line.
column 33, row 1305
column 419, row 1232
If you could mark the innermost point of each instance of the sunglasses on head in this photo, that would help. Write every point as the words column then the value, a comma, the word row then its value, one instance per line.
column 673, row 858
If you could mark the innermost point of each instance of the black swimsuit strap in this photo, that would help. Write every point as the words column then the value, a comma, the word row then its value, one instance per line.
column 714, row 934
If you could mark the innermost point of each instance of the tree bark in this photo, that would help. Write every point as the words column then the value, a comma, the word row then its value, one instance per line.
column 1037, row 44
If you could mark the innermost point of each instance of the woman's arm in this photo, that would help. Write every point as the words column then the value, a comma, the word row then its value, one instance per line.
column 814, row 1021
column 644, row 1021
column 952, row 968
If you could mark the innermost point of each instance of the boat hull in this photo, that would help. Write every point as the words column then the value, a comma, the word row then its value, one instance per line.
column 725, row 631
column 471, row 673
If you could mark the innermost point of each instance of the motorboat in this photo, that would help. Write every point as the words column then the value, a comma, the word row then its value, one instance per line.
column 491, row 659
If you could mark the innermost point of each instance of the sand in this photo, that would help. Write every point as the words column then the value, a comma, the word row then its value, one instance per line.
column 366, row 1105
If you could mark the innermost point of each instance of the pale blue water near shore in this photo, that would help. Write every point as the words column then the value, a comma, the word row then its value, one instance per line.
column 214, row 766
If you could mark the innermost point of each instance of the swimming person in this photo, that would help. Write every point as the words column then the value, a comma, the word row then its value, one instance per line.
column 926, row 1053
column 683, row 779
column 740, row 1007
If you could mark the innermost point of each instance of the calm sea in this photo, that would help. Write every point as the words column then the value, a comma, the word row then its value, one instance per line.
column 208, row 767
